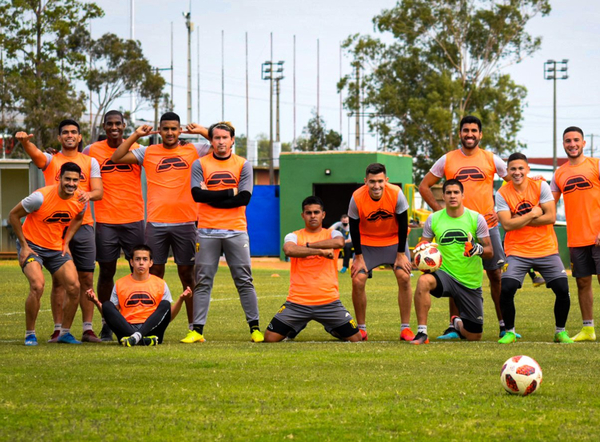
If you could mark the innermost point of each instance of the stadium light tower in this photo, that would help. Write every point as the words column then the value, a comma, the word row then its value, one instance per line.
column 555, row 70
column 272, row 71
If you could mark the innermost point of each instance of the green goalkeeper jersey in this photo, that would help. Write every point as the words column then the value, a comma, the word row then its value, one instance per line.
column 451, row 236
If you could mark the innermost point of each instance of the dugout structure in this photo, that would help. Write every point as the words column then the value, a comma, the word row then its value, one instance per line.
column 332, row 176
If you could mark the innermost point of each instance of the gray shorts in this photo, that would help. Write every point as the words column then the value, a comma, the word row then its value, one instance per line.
column 112, row 238
column 180, row 237
column 497, row 261
column 551, row 268
column 331, row 316
column 51, row 259
column 376, row 256
column 585, row 261
column 83, row 249
column 469, row 301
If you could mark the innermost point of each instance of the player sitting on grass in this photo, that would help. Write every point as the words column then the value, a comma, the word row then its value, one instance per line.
column 527, row 212
column 140, row 306
column 461, row 274
column 314, row 292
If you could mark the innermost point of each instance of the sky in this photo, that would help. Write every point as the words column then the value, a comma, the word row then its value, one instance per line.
column 571, row 31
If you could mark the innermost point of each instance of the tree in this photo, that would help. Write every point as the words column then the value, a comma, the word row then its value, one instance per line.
column 316, row 138
column 119, row 66
column 44, row 46
column 445, row 62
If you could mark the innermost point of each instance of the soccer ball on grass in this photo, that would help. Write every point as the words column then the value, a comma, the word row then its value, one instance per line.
column 521, row 375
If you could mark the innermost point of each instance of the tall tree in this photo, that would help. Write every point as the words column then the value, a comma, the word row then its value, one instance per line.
column 315, row 136
column 44, row 46
column 446, row 60
column 119, row 66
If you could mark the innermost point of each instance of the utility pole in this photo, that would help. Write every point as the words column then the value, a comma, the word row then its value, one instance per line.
column 357, row 136
column 190, row 28
column 198, row 63
column 132, row 104
column 592, row 143
column 247, row 100
column 552, row 70
column 318, row 85
column 172, row 80
column 222, row 75
column 267, row 74
column 294, row 87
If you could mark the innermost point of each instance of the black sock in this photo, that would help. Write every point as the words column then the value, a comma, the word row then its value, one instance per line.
column 253, row 325
column 562, row 304
column 199, row 328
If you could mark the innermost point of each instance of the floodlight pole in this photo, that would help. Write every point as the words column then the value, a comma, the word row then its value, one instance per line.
column 273, row 72
column 551, row 70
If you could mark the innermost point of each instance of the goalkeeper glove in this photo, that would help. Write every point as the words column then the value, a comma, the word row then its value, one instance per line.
column 472, row 248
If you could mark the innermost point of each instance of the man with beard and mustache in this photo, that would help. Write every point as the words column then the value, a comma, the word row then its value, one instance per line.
column 578, row 180
column 120, row 213
column 83, row 246
column 172, row 212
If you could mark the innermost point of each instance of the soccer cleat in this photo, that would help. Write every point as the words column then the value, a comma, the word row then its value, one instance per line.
column 407, row 335
column 508, row 338
column 106, row 334
column 128, row 341
column 586, row 334
column 90, row 336
column 538, row 281
column 343, row 269
column 149, row 341
column 193, row 336
column 363, row 334
column 421, row 338
column 54, row 338
column 563, row 338
column 257, row 336
column 503, row 332
column 67, row 338
column 31, row 341
column 449, row 334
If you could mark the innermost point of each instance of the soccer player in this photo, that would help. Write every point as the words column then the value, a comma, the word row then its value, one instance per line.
column 49, row 211
column 120, row 213
column 222, row 184
column 578, row 180
column 314, row 291
column 527, row 212
column 463, row 239
column 378, row 214
column 475, row 169
column 83, row 245
column 172, row 212
column 343, row 226
column 140, row 306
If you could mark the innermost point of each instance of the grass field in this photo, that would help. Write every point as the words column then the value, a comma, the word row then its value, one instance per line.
column 312, row 389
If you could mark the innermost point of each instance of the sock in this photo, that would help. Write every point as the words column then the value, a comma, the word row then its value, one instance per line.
column 137, row 336
column 512, row 330
column 422, row 329
column 190, row 326
column 87, row 326
column 199, row 328
column 559, row 329
column 403, row 326
column 588, row 323
column 103, row 322
column 501, row 324
column 455, row 323
column 362, row 327
column 57, row 327
column 253, row 325
column 29, row 332
column 64, row 331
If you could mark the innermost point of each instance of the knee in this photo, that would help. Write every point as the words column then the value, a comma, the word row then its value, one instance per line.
column 359, row 280
column 560, row 287
column 474, row 336
column 272, row 337
column 72, row 289
column 508, row 288
column 37, row 288
column 107, row 271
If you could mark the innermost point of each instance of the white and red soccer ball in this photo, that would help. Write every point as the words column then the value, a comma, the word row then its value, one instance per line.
column 521, row 375
column 428, row 259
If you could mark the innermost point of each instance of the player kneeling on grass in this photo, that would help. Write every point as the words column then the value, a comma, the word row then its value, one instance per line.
column 527, row 212
column 461, row 274
column 314, row 290
column 140, row 306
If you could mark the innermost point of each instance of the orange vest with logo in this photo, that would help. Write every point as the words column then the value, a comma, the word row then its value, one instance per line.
column 528, row 241
column 122, row 202
column 169, row 177
column 580, row 187
column 314, row 279
column 476, row 173
column 52, row 176
column 45, row 226
column 378, row 223
column 221, row 175
column 139, row 299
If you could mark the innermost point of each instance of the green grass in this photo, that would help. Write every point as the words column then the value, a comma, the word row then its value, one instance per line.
column 312, row 389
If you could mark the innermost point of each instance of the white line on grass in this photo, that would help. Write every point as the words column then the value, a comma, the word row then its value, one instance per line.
column 22, row 313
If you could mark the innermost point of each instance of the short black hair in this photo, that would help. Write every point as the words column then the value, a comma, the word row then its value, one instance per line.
column 374, row 169
column 223, row 126
column 170, row 116
column 470, row 119
column 516, row 156
column 312, row 200
column 142, row 248
column 110, row 113
column 70, row 167
column 573, row 129
column 68, row 122
column 453, row 182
